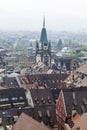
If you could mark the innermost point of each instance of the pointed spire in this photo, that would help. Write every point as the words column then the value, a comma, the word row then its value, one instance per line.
column 49, row 46
column 37, row 45
column 43, row 38
column 44, row 22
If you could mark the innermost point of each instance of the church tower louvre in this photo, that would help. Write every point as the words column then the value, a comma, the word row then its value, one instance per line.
column 43, row 47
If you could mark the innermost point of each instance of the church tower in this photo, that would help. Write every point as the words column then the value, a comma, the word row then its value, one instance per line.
column 43, row 47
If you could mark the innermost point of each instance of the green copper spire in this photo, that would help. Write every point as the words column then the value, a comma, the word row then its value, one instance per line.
column 43, row 38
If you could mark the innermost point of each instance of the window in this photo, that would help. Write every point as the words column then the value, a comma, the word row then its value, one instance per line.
column 40, row 114
column 8, row 127
column 15, row 118
column 36, row 100
column 49, row 100
column 4, row 99
column 0, row 121
column 48, row 113
column 73, row 95
column 21, row 98
column 74, row 112
column 43, row 100
column 14, row 98
column 5, row 114
column 74, row 102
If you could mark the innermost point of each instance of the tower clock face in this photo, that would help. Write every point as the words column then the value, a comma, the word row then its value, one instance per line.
column 45, row 46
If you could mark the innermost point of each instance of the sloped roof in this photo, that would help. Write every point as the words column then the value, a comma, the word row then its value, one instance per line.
column 10, row 82
column 81, row 123
column 51, row 80
column 27, row 123
column 80, row 81
column 75, row 98
column 13, row 75
column 82, row 69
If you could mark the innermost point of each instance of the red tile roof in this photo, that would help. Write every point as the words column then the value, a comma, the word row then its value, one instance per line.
column 38, row 65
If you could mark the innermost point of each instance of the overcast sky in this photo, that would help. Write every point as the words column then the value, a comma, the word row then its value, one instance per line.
column 68, row 15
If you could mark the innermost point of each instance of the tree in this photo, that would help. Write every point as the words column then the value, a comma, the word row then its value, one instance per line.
column 60, row 44
column 77, row 55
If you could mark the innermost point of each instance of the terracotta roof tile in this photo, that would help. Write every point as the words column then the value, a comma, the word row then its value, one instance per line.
column 81, row 122
column 38, row 65
column 76, row 117
column 82, row 69
column 49, row 71
column 27, row 123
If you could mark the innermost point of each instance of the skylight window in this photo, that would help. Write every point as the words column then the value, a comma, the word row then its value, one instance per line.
column 14, row 98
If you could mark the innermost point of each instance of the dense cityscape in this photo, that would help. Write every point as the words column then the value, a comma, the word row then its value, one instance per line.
column 43, row 80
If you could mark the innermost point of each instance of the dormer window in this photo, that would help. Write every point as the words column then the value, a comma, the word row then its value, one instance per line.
column 21, row 98
column 4, row 99
column 43, row 100
column 48, row 113
column 0, row 121
column 36, row 100
column 73, row 112
column 74, row 102
column 73, row 95
column 5, row 114
column 40, row 114
column 14, row 98
column 49, row 100
column 15, row 118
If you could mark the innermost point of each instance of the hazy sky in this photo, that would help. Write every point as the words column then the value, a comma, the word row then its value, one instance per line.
column 27, row 14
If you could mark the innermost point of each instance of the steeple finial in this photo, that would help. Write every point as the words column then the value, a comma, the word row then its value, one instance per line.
column 44, row 22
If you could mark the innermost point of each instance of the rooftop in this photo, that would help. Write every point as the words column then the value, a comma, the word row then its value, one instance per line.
column 27, row 123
